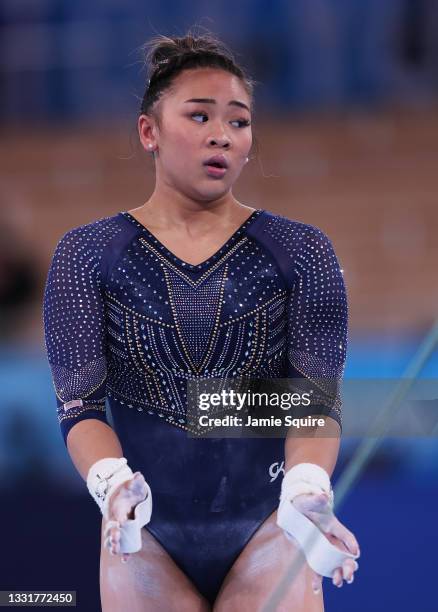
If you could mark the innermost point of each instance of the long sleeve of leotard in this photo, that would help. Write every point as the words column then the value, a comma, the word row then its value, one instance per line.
column 317, row 320
column 74, row 327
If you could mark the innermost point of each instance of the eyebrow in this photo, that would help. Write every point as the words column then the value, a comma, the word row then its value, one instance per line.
column 213, row 101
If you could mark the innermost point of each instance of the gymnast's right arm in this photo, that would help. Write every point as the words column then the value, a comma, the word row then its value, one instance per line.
column 75, row 339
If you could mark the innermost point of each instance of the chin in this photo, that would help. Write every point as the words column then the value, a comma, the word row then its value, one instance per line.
column 210, row 193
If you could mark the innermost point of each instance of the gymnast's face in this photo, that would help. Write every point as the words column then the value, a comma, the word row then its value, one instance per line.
column 205, row 112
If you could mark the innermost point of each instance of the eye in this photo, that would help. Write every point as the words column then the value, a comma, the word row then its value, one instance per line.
column 242, row 122
column 199, row 115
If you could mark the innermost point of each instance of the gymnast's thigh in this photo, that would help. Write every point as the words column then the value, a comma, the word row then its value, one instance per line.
column 257, row 571
column 149, row 581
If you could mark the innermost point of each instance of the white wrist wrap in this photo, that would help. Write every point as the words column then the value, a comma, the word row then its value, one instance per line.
column 104, row 476
column 321, row 555
column 306, row 478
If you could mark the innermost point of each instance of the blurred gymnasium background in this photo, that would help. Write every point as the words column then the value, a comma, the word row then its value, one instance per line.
column 346, row 131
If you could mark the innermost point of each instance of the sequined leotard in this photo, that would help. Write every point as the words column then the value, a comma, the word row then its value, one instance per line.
column 128, row 324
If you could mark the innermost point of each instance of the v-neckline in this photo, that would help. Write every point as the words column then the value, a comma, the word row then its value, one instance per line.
column 255, row 213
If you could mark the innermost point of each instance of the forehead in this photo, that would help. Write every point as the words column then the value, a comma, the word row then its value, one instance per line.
column 208, row 83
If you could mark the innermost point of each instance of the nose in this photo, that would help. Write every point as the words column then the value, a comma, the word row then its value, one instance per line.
column 221, row 140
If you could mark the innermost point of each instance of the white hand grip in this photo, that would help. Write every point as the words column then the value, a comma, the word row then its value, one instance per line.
column 322, row 556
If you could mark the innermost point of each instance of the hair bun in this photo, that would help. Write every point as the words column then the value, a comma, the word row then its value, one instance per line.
column 164, row 49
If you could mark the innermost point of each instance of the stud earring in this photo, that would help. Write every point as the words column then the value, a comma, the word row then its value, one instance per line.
column 246, row 160
column 150, row 146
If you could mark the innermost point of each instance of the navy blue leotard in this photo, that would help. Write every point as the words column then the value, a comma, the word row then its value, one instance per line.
column 128, row 324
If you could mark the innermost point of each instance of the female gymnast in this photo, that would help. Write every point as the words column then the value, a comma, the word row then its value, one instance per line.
column 194, row 284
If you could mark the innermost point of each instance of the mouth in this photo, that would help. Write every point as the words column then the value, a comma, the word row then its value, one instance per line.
column 216, row 166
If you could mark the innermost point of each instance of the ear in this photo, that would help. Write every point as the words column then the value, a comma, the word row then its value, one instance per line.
column 147, row 132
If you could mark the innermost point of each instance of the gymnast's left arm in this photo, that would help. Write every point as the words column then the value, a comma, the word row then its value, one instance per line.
column 316, row 350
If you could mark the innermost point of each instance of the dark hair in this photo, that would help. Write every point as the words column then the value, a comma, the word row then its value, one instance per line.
column 166, row 57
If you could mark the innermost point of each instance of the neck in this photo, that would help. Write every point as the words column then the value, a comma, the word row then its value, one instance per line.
column 170, row 209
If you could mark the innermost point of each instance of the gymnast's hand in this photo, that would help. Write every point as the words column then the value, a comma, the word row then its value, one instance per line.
column 121, row 507
column 317, row 508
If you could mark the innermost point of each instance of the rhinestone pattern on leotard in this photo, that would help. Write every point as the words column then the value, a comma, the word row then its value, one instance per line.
column 155, row 322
